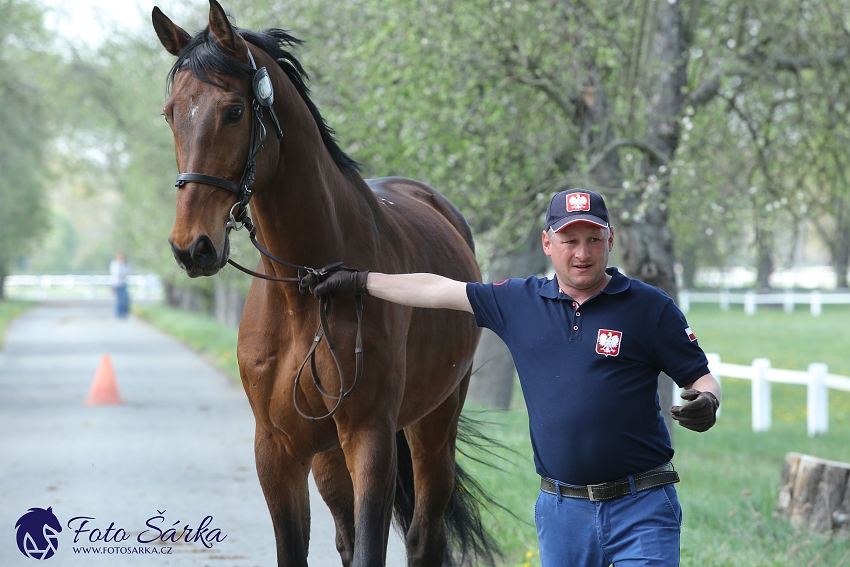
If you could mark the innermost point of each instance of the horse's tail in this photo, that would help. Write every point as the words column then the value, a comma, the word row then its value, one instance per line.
column 469, row 542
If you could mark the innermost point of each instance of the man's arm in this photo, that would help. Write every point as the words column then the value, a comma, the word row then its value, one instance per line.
column 707, row 383
column 419, row 290
column 415, row 290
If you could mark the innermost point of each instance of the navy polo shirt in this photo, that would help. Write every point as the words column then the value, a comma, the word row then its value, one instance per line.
column 589, row 372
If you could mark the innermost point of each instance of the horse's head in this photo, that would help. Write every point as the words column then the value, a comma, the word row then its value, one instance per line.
column 215, row 113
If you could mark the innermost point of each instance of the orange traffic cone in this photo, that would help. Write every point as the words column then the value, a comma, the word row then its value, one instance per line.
column 104, row 389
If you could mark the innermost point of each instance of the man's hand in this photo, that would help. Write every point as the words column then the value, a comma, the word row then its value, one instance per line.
column 700, row 413
column 345, row 283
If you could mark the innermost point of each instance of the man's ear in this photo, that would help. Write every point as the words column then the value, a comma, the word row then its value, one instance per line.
column 547, row 243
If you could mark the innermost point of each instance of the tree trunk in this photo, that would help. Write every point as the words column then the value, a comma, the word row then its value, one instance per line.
column 646, row 237
column 815, row 494
column 689, row 260
column 764, row 258
column 228, row 304
column 841, row 257
column 2, row 285
column 492, row 382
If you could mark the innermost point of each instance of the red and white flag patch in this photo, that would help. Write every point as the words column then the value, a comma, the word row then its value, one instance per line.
column 578, row 202
column 608, row 342
column 690, row 334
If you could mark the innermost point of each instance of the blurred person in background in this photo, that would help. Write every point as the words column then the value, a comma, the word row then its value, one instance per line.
column 118, row 272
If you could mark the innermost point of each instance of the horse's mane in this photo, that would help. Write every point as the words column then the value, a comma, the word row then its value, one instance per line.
column 204, row 55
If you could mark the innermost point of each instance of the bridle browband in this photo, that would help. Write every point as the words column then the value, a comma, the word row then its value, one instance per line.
column 307, row 277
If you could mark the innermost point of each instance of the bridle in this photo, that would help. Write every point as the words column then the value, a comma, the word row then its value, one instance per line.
column 263, row 98
column 307, row 277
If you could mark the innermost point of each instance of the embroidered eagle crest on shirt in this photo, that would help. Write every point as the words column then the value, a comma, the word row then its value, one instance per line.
column 608, row 342
column 578, row 202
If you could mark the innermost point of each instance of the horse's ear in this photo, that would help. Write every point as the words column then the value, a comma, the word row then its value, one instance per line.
column 173, row 37
column 224, row 32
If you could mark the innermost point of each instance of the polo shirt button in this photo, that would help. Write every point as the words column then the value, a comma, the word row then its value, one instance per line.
column 578, row 314
column 575, row 328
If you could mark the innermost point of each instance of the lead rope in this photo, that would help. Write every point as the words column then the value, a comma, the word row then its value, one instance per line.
column 323, row 330
column 308, row 277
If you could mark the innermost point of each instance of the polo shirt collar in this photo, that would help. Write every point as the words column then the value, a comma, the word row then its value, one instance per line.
column 618, row 284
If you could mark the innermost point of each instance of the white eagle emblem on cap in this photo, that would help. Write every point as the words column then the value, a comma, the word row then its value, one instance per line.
column 608, row 342
column 578, row 202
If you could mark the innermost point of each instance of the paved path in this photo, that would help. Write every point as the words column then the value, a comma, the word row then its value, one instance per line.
column 181, row 445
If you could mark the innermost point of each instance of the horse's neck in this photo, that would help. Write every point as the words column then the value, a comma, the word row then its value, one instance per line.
column 309, row 210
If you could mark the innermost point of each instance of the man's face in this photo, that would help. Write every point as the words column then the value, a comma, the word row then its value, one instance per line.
column 579, row 255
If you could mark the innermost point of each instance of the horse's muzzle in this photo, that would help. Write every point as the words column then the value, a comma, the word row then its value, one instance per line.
column 201, row 258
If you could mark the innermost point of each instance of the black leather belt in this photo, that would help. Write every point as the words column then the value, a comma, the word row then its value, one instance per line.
column 658, row 476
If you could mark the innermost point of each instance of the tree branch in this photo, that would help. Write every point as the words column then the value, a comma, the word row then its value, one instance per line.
column 704, row 92
column 617, row 143
column 548, row 87
column 708, row 89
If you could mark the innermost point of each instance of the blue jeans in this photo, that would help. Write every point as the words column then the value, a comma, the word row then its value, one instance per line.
column 638, row 529
column 122, row 301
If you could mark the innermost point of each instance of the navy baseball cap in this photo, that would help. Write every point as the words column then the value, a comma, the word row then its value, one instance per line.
column 576, row 205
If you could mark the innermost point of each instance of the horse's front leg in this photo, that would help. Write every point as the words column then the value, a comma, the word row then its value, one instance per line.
column 334, row 483
column 370, row 453
column 284, row 482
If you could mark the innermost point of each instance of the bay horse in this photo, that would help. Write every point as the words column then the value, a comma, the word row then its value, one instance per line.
column 388, row 447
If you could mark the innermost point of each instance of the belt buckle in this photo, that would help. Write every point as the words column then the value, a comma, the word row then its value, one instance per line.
column 590, row 488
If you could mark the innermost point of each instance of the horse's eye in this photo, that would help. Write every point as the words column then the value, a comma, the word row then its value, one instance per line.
column 235, row 113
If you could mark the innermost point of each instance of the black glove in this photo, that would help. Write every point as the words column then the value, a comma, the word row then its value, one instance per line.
column 344, row 283
column 700, row 413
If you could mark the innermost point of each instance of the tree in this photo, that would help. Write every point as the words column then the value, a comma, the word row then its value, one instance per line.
column 779, row 72
column 24, row 130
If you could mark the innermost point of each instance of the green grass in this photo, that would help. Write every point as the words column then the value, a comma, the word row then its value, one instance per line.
column 201, row 332
column 730, row 475
column 8, row 311
column 789, row 340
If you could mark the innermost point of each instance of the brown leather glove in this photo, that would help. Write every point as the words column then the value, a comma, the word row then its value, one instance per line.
column 700, row 413
column 347, row 283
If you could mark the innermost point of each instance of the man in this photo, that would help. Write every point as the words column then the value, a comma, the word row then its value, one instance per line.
column 588, row 345
column 118, row 272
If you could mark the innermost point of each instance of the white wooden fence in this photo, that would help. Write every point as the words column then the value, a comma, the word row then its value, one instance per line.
column 817, row 380
column 751, row 300
column 143, row 287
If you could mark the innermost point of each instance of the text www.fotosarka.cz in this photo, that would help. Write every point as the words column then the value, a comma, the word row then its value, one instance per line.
column 38, row 535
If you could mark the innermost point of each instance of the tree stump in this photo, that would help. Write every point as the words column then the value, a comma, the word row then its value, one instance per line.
column 815, row 494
